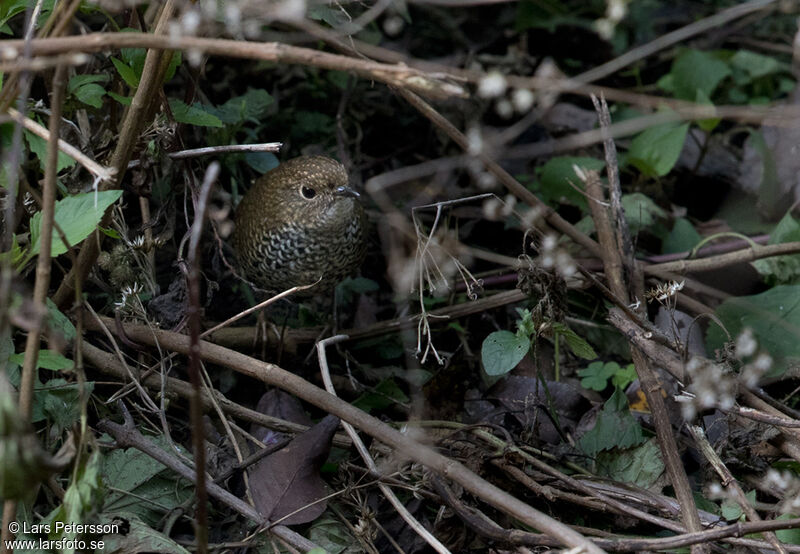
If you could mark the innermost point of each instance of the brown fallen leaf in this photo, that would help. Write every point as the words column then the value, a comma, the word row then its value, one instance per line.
column 288, row 481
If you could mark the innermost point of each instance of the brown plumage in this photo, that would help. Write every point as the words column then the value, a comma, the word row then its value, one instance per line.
column 299, row 223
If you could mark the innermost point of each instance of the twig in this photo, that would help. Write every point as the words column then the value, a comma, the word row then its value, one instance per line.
column 675, row 37
column 43, row 63
column 612, row 256
column 193, row 311
column 149, row 404
column 137, row 116
column 623, row 235
column 709, row 250
column 42, row 284
column 108, row 364
column 127, row 436
column 439, row 82
column 412, row 522
column 276, row 376
column 756, row 252
column 729, row 481
column 395, row 75
column 513, row 186
column 243, row 336
column 481, row 524
column 214, row 150
column 761, row 417
column 102, row 173
column 219, row 327
column 257, row 307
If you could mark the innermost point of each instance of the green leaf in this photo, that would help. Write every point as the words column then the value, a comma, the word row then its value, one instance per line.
column 386, row 394
column 640, row 211
column 595, row 376
column 86, row 89
column 135, row 475
column 58, row 402
column 126, row 72
column 39, row 147
column 193, row 115
column 8, row 9
column 81, row 500
column 615, row 427
column 109, row 232
column 782, row 269
column 312, row 125
column 250, row 106
column 261, row 162
column 174, row 63
column 789, row 536
column 706, row 125
column 655, row 150
column 347, row 290
column 624, row 377
column 771, row 201
column 559, row 183
column 330, row 15
column 774, row 317
column 48, row 359
column 525, row 326
column 682, row 238
column 730, row 509
column 332, row 536
column 133, row 57
column 756, row 65
column 78, row 81
column 6, row 351
column 16, row 256
column 695, row 71
column 338, row 78
column 138, row 537
column 502, row 351
column 77, row 215
column 124, row 100
column 91, row 95
column 60, row 322
column 667, row 83
column 548, row 16
column 576, row 344
column 641, row 466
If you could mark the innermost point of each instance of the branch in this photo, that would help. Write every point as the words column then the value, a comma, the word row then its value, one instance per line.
column 405, row 446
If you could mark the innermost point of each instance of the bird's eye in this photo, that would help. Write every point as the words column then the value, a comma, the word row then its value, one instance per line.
column 308, row 193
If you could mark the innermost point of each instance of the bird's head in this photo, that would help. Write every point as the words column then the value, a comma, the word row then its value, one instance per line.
column 306, row 187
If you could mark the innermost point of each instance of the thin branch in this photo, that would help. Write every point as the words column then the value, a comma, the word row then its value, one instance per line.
column 730, row 482
column 439, row 82
column 107, row 363
column 42, row 284
column 226, row 149
column 612, row 261
column 138, row 115
column 127, row 436
column 675, row 37
column 102, row 173
column 193, row 312
column 44, row 62
column 412, row 522
column 274, row 375
column 731, row 258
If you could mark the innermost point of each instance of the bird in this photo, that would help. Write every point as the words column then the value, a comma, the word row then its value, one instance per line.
column 300, row 224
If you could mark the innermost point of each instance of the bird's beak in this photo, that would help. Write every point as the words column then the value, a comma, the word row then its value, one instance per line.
column 346, row 191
